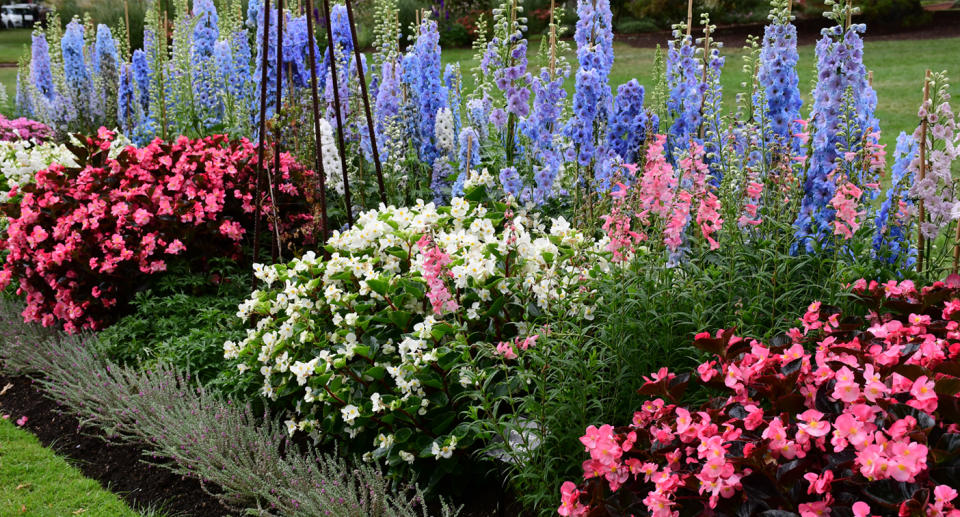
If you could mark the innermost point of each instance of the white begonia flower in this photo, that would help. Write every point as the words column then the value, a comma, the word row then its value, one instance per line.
column 377, row 403
column 303, row 370
column 230, row 350
column 349, row 413
column 407, row 457
column 384, row 441
column 291, row 426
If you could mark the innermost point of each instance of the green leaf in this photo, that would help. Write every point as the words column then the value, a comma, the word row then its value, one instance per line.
column 378, row 286
column 400, row 318
column 375, row 372
column 403, row 435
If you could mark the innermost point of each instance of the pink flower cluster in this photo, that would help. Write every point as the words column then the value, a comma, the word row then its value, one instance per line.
column 617, row 227
column 434, row 272
column 23, row 129
column 862, row 414
column 664, row 201
column 81, row 239
column 846, row 202
column 509, row 349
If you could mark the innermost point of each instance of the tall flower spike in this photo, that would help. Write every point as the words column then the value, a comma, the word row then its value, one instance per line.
column 684, row 73
column 75, row 70
column 839, row 69
column 40, row 75
column 430, row 91
column 592, row 97
column 893, row 224
column 777, row 74
column 627, row 129
column 105, row 63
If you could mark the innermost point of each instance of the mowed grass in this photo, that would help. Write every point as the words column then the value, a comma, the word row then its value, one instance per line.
column 36, row 482
column 13, row 44
column 898, row 68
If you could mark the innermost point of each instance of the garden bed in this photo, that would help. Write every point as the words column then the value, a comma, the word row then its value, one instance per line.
column 119, row 467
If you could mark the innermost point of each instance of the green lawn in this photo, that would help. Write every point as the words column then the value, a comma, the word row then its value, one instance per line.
column 36, row 482
column 898, row 68
column 13, row 44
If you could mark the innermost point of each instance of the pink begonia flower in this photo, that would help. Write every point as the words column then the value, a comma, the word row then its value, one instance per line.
column 811, row 423
column 22, row 421
column 754, row 417
column 924, row 396
column 819, row 484
column 846, row 387
column 861, row 509
column 707, row 371
column 141, row 217
column 175, row 247
column 815, row 509
column 570, row 501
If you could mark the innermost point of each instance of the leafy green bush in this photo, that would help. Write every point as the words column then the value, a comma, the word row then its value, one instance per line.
column 377, row 343
column 181, row 319
column 632, row 26
column 898, row 13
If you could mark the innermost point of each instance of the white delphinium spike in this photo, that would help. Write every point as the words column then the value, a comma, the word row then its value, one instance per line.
column 444, row 130
column 331, row 157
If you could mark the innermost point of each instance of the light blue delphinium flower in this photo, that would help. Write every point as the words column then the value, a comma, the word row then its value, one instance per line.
column 840, row 73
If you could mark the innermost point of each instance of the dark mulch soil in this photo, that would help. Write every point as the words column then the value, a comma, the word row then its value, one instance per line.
column 116, row 466
column 942, row 24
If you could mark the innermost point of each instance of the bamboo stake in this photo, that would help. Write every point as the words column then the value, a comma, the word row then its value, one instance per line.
column 336, row 109
column 956, row 250
column 922, row 175
column 311, row 41
column 366, row 105
column 163, row 95
column 262, row 129
column 276, row 131
column 553, row 42
column 126, row 15
column 689, row 16
column 870, row 78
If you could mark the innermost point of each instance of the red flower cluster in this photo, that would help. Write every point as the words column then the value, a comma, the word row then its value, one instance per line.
column 82, row 238
column 839, row 414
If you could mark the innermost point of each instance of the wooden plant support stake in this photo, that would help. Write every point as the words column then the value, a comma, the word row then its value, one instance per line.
column 689, row 16
column 262, row 130
column 366, row 105
column 469, row 156
column 311, row 42
column 553, row 42
column 126, row 15
column 336, row 109
column 277, row 136
column 922, row 175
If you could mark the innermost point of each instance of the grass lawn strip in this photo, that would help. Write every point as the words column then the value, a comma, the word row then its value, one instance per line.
column 34, row 481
